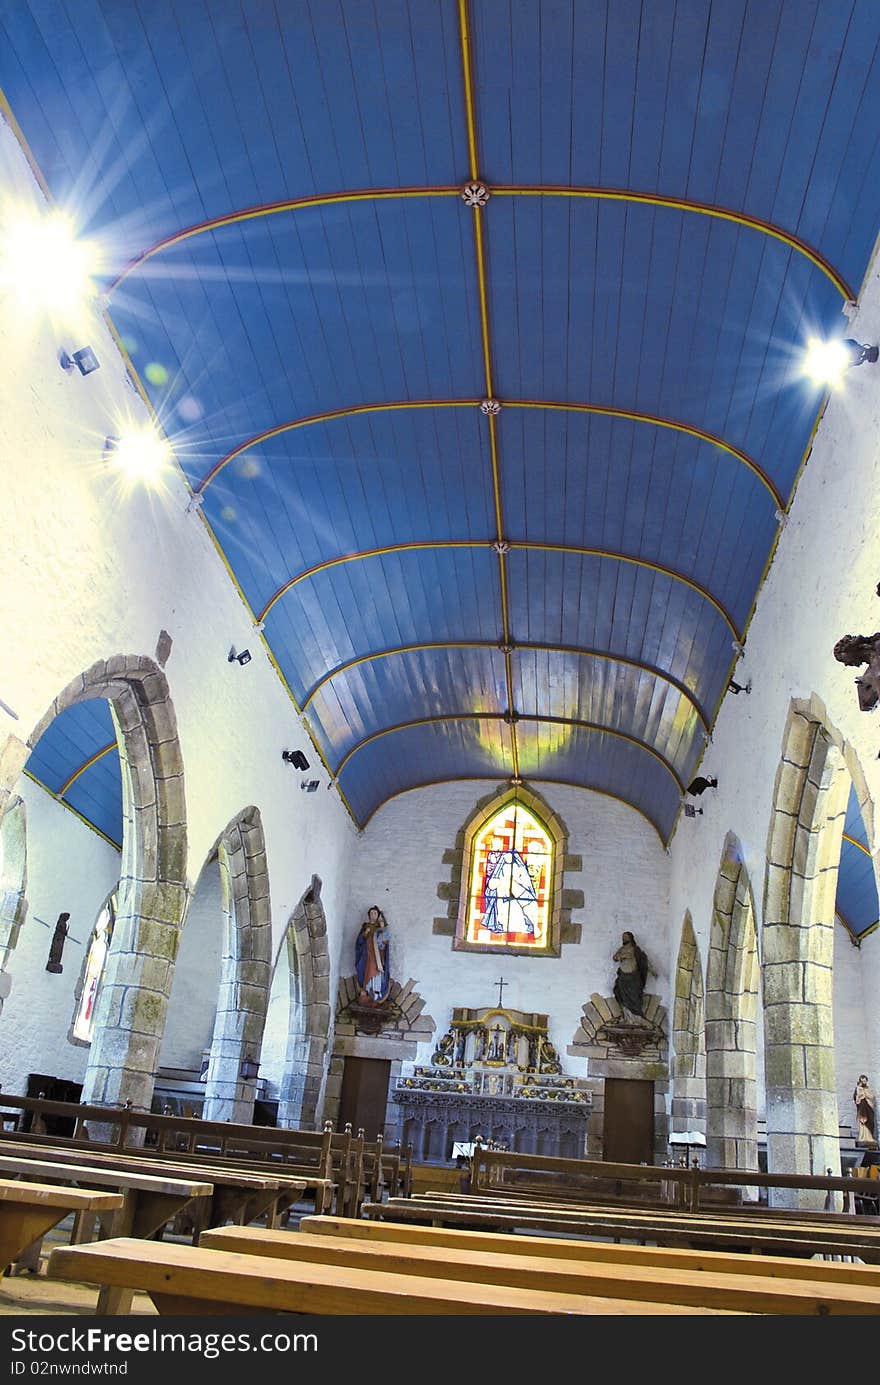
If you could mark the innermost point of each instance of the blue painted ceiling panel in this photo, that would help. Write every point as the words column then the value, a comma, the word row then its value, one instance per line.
column 75, row 736
column 349, row 485
column 441, row 682
column 424, row 755
column 856, row 903
column 380, row 603
column 600, row 761
column 736, row 148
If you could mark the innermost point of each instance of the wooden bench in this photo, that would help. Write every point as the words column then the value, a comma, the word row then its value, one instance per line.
column 238, row 1195
column 326, row 1161
column 29, row 1210
column 192, row 1279
column 388, row 1232
column 686, row 1229
column 713, row 1287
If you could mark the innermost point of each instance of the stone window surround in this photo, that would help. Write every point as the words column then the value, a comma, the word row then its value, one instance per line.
column 458, row 857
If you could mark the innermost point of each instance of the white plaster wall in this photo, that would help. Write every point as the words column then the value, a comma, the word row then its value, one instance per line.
column 821, row 585
column 274, row 1049
column 69, row 868
column 87, row 571
column 850, row 1040
column 193, row 1004
column 399, row 864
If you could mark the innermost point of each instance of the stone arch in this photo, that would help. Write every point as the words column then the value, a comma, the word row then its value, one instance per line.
column 731, row 1016
column 245, row 971
column 688, row 1036
column 152, row 887
column 803, row 855
column 13, row 882
column 308, row 959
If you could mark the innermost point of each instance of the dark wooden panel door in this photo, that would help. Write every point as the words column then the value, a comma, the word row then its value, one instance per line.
column 629, row 1121
column 364, row 1095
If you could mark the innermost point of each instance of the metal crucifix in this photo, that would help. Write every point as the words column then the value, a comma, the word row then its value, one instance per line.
column 501, row 983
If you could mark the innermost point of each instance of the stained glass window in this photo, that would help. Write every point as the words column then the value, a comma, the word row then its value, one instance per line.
column 84, row 1024
column 509, row 891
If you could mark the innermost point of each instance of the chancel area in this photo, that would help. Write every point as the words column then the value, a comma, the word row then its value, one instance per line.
column 438, row 472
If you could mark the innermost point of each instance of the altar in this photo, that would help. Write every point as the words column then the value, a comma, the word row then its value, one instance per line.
column 494, row 1073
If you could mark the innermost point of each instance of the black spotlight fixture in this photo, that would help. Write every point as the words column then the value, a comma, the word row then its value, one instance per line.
column 737, row 688
column 860, row 353
column 691, row 812
column 701, row 784
column 310, row 785
column 295, row 758
column 243, row 658
column 85, row 360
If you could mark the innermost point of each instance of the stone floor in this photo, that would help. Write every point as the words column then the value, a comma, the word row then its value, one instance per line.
column 35, row 1294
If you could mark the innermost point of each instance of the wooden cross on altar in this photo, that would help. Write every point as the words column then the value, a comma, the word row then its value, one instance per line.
column 501, row 983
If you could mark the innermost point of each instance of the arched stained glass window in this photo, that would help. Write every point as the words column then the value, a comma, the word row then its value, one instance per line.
column 99, row 944
column 511, row 870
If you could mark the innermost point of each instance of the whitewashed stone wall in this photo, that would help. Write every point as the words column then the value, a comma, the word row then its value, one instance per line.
column 69, row 868
column 399, row 865
column 193, row 1001
column 850, row 1027
column 88, row 572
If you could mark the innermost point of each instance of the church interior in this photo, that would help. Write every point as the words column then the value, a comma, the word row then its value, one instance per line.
column 438, row 600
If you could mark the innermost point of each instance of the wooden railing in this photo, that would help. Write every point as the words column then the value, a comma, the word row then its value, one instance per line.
column 535, row 1176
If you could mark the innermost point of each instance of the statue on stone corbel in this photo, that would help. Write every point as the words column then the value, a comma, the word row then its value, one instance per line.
column 632, row 977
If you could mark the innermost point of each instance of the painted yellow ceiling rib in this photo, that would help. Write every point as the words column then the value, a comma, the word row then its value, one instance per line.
column 87, row 764
column 526, row 544
column 398, row 405
column 598, row 727
column 537, row 646
column 477, row 216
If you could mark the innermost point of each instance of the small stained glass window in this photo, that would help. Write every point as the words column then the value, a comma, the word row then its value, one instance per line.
column 510, row 875
column 99, row 944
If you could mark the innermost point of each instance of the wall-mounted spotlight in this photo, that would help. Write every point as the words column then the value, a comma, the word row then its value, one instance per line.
column 309, row 785
column 84, row 359
column 139, row 453
column 826, row 361
column 737, row 688
column 701, row 784
column 295, row 758
column 691, row 812
column 244, row 657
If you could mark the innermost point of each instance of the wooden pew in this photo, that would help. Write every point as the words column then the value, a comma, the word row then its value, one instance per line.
column 192, row 1279
column 238, row 1195
column 712, row 1287
column 694, row 1261
column 323, row 1159
column 684, row 1229
column 29, row 1210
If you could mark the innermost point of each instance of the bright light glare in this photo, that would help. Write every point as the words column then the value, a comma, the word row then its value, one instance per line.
column 140, row 454
column 826, row 361
column 43, row 263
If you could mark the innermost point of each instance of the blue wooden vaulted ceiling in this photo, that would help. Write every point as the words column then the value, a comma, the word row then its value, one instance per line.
column 679, row 193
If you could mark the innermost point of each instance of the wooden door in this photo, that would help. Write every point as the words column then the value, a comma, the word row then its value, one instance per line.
column 364, row 1095
column 629, row 1121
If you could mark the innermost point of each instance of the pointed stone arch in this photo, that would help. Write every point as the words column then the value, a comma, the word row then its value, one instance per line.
column 810, row 797
column 245, row 971
column 731, row 1017
column 133, row 999
column 13, row 880
column 688, row 1036
column 305, row 1063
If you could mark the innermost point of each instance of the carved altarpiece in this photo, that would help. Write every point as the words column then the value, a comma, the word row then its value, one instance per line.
column 494, row 1073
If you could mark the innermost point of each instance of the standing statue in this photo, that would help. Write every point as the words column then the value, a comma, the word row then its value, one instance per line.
column 863, row 1097
column 632, row 976
column 56, row 947
column 372, row 954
